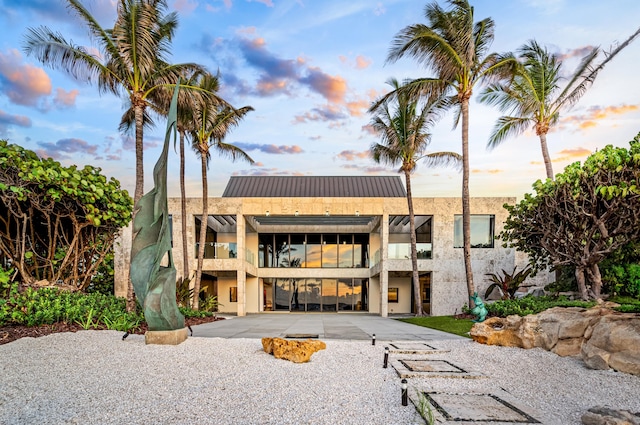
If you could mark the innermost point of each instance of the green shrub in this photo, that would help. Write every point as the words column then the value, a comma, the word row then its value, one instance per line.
column 188, row 312
column 532, row 305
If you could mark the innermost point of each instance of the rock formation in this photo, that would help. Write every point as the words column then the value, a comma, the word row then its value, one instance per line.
column 292, row 350
column 602, row 337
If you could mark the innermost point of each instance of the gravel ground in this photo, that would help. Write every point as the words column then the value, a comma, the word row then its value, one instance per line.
column 93, row 377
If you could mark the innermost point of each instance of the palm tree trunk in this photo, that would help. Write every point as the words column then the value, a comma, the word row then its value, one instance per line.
column 545, row 155
column 139, row 188
column 466, row 210
column 183, row 211
column 414, row 252
column 203, row 232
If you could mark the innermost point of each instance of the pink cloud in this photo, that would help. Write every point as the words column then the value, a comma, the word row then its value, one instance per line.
column 23, row 84
column 362, row 62
column 64, row 99
column 350, row 155
column 185, row 6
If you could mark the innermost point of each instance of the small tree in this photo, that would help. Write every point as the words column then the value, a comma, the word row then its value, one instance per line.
column 57, row 223
column 583, row 216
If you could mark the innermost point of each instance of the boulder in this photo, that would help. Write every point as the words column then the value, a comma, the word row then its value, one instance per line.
column 605, row 416
column 602, row 337
column 293, row 350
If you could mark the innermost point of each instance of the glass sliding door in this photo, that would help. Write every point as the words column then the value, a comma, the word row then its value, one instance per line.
column 314, row 300
column 329, row 294
column 345, row 294
column 282, row 294
column 298, row 295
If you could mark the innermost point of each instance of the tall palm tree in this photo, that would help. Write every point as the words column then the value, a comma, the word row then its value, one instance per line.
column 132, row 62
column 403, row 127
column 455, row 48
column 535, row 97
column 211, row 123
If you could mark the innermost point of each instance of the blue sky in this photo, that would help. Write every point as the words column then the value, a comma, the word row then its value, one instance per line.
column 310, row 69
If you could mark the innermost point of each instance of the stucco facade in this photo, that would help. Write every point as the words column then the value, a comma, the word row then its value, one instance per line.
column 372, row 218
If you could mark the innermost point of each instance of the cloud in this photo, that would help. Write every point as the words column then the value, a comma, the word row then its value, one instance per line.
column 270, row 149
column 368, row 129
column 379, row 9
column 103, row 10
column 596, row 113
column 350, row 155
column 579, row 52
column 367, row 169
column 332, row 88
column 64, row 147
column 322, row 113
column 185, row 6
column 7, row 120
column 494, row 171
column 268, row 3
column 360, row 62
column 64, row 99
column 571, row 154
column 23, row 84
column 268, row 172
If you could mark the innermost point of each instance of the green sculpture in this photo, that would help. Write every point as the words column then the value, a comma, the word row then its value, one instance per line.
column 154, row 284
column 480, row 311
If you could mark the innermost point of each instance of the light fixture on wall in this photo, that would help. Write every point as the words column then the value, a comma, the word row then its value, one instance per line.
column 267, row 213
column 326, row 213
column 357, row 213
column 297, row 213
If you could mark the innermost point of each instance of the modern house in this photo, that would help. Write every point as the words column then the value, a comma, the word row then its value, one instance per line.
column 333, row 244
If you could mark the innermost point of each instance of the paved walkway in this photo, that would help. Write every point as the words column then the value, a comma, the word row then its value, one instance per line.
column 347, row 326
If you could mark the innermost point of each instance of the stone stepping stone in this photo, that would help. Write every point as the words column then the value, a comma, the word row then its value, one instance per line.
column 477, row 408
column 431, row 368
column 413, row 347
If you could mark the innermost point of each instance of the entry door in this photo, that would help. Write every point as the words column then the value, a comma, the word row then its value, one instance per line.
column 425, row 292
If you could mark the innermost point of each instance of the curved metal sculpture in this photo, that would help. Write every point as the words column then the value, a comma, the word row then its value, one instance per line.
column 480, row 311
column 154, row 284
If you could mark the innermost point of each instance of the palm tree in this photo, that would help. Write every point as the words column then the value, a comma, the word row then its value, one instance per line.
column 456, row 49
column 403, row 126
column 535, row 97
column 211, row 123
column 132, row 62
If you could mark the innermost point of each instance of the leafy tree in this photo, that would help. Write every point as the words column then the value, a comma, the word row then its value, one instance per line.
column 57, row 223
column 535, row 96
column 455, row 48
column 585, row 215
column 403, row 123
column 211, row 123
column 132, row 61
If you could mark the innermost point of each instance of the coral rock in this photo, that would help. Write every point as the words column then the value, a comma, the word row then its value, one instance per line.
column 292, row 350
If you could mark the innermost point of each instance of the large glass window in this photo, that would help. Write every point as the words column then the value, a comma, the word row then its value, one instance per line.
column 345, row 251
column 482, row 231
column 296, row 251
column 360, row 250
column 265, row 250
column 329, row 250
column 282, row 251
column 314, row 251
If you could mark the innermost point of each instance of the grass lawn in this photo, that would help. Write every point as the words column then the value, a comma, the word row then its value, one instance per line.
column 443, row 323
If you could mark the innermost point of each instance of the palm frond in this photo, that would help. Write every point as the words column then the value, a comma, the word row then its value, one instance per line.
column 507, row 127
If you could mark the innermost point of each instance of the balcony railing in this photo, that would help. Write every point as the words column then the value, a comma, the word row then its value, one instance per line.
column 401, row 251
column 219, row 250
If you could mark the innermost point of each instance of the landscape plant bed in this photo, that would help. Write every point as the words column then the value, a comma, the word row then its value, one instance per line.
column 10, row 333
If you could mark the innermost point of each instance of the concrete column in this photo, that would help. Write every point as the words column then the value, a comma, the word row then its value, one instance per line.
column 121, row 261
column 384, row 265
column 241, row 273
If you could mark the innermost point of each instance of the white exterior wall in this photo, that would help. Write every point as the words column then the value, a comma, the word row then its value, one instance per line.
column 448, row 281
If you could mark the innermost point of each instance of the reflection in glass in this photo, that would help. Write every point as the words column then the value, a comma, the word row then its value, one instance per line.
column 282, row 251
column 265, row 250
column 267, row 295
column 482, row 231
column 313, row 294
column 282, row 288
column 296, row 250
column 360, row 294
column 329, row 251
column 314, row 251
column 345, row 251
column 329, row 294
column 345, row 294
column 360, row 250
column 298, row 295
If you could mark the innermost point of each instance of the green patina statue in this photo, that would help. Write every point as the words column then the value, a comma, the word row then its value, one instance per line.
column 480, row 311
column 153, row 283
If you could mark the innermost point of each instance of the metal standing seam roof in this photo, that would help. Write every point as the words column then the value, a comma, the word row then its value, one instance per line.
column 314, row 187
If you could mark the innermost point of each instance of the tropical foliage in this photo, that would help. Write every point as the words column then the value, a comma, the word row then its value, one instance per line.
column 57, row 223
column 403, row 122
column 535, row 96
column 508, row 284
column 456, row 49
column 585, row 215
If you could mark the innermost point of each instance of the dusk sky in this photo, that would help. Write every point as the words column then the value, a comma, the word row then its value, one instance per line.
column 310, row 69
